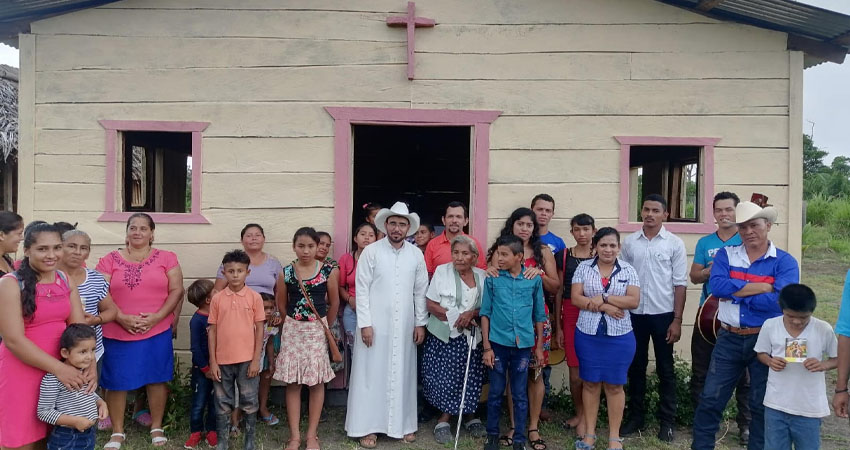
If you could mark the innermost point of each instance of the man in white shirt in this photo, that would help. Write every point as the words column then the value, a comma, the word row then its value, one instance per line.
column 391, row 318
column 661, row 263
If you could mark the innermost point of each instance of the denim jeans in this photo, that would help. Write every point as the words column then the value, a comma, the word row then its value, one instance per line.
column 731, row 356
column 202, row 400
column 511, row 363
column 700, row 359
column 783, row 429
column 233, row 375
column 646, row 327
column 65, row 438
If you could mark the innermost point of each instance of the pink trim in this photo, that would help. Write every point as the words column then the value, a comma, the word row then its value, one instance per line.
column 707, row 144
column 343, row 157
column 112, row 127
column 411, row 22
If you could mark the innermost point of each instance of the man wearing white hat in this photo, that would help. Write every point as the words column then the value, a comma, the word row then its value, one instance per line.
column 391, row 318
column 747, row 279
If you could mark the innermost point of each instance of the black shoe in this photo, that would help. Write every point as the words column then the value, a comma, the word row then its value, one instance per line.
column 492, row 442
column 744, row 436
column 323, row 416
column 665, row 434
column 519, row 446
column 631, row 426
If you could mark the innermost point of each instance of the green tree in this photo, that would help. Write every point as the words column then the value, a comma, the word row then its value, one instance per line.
column 841, row 166
column 812, row 157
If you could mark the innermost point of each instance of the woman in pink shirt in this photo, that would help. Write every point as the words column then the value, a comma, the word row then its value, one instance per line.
column 147, row 285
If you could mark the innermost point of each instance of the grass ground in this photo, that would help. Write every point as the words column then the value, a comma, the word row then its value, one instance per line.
column 825, row 264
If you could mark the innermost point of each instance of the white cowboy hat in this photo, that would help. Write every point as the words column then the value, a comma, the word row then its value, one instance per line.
column 746, row 211
column 399, row 209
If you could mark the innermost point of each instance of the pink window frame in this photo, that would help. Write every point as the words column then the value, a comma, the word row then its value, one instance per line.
column 707, row 166
column 112, row 212
column 344, row 117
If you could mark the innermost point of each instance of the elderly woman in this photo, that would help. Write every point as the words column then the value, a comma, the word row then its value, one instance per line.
column 94, row 290
column 146, row 285
column 454, row 298
column 604, row 289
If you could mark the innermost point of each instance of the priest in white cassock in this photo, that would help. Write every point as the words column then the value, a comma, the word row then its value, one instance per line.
column 391, row 318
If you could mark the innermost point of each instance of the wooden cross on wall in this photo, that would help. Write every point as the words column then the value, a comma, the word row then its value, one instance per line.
column 411, row 22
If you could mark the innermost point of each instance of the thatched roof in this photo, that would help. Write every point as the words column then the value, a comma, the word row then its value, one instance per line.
column 8, row 113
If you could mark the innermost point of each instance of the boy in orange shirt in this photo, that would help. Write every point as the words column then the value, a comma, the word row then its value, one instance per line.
column 236, row 341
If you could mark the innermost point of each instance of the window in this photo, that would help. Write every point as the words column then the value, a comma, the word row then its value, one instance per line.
column 669, row 171
column 680, row 169
column 157, row 171
column 153, row 167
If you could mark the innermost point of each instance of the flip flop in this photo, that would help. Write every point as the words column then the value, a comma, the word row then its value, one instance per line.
column 271, row 420
column 409, row 438
column 158, row 441
column 537, row 444
column 314, row 438
column 505, row 440
column 143, row 418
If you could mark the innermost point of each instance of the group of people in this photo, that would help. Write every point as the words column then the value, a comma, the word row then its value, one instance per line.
column 437, row 309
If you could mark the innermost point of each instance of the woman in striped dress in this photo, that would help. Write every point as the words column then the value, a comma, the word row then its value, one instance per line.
column 93, row 287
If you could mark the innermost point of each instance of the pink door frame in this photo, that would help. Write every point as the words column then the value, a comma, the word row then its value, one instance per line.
column 344, row 117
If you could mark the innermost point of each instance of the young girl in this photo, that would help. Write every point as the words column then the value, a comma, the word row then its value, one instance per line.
column 11, row 235
column 324, row 249
column 371, row 210
column 538, row 261
column 303, row 359
column 271, row 346
column 72, row 413
column 364, row 234
column 582, row 227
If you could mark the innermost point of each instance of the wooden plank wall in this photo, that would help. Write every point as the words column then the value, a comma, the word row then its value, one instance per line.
column 568, row 75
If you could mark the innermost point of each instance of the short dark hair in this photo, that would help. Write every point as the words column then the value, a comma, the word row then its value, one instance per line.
column 198, row 292
column 725, row 195
column 427, row 225
column 310, row 232
column 64, row 227
column 236, row 256
column 797, row 297
column 10, row 221
column 514, row 243
column 656, row 198
column 248, row 227
column 267, row 297
column 456, row 204
column 74, row 334
column 322, row 234
column 605, row 231
column 545, row 198
column 583, row 220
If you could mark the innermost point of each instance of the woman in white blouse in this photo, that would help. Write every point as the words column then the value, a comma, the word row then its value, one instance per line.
column 604, row 288
column 454, row 298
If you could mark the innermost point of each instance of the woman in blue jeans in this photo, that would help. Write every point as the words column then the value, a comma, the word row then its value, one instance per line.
column 604, row 289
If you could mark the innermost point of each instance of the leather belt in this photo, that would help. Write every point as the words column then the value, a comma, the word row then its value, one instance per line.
column 747, row 331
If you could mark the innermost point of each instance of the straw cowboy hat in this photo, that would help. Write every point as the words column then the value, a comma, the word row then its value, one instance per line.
column 746, row 211
column 399, row 209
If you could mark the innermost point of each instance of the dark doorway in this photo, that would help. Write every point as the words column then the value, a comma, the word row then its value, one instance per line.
column 426, row 167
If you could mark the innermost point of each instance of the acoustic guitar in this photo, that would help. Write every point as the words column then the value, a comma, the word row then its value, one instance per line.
column 707, row 322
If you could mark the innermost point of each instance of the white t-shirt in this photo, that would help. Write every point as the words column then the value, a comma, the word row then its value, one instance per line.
column 795, row 390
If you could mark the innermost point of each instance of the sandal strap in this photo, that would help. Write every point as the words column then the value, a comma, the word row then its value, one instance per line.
column 160, row 430
column 124, row 436
column 617, row 439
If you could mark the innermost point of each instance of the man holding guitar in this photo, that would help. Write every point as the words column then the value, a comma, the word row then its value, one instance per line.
column 703, row 337
column 747, row 279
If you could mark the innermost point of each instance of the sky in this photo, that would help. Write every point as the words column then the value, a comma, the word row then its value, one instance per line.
column 826, row 94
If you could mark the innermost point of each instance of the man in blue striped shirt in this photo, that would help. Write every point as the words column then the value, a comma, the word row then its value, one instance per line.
column 747, row 279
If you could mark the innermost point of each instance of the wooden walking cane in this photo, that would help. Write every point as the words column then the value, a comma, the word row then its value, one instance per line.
column 336, row 356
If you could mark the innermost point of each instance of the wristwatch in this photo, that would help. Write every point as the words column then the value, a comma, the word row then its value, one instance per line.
column 604, row 297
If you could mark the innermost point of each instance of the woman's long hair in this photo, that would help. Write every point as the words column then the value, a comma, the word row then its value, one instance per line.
column 533, row 241
column 27, row 276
